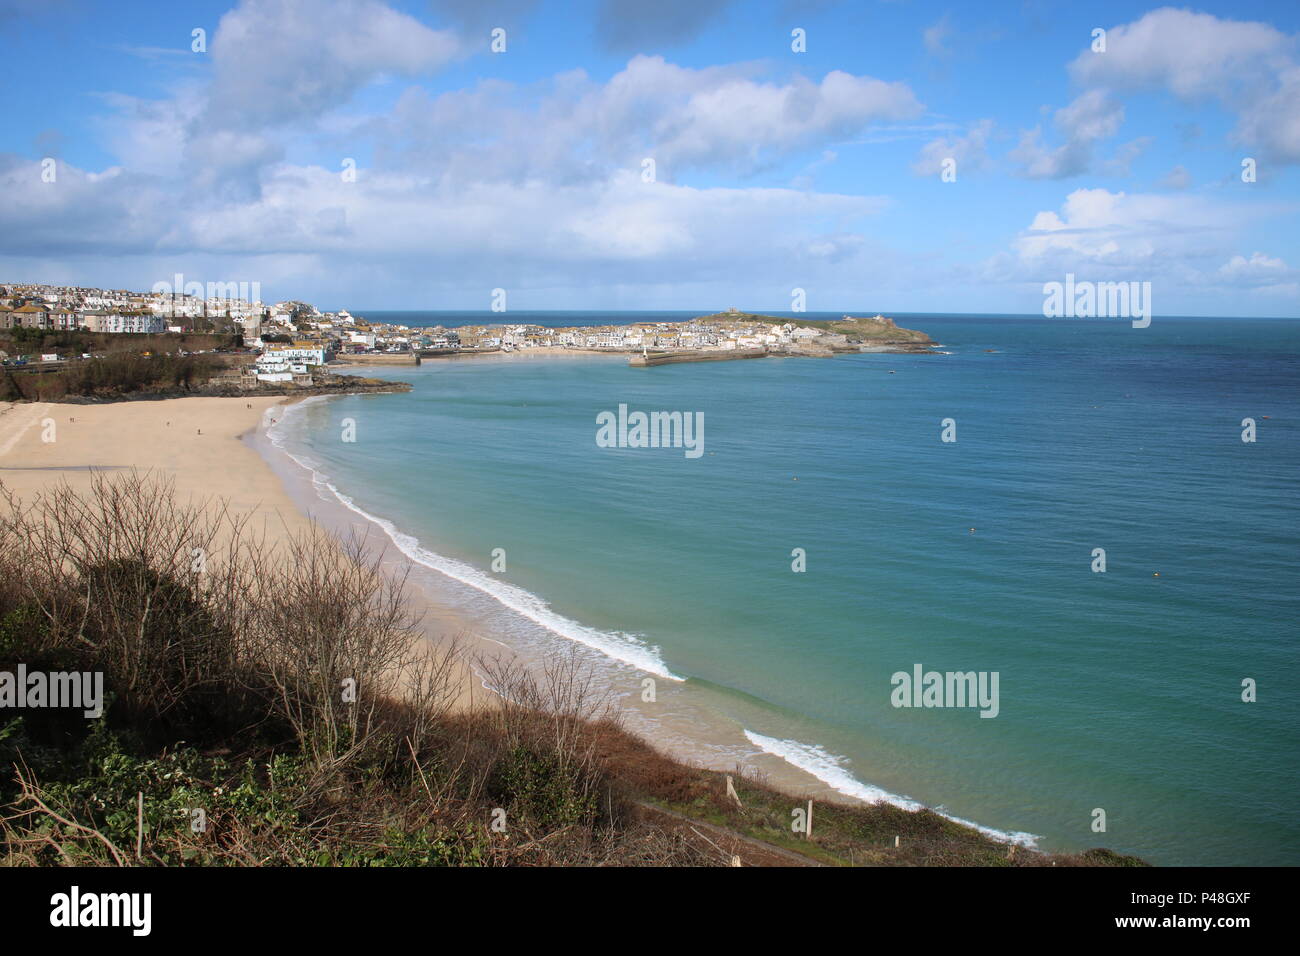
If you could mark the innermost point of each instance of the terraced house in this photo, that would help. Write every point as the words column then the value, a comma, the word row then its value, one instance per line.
column 30, row 317
column 124, row 320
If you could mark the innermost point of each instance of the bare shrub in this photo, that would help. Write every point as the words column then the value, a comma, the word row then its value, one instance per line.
column 198, row 626
column 136, row 585
column 539, row 754
column 335, row 640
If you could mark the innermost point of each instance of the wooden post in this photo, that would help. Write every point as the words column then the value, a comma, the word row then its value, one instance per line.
column 731, row 792
column 895, row 841
column 808, row 832
column 139, row 822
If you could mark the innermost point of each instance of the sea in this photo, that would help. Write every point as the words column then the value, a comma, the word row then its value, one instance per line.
column 1100, row 523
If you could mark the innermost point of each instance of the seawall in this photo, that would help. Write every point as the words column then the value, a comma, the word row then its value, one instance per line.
column 379, row 358
column 644, row 360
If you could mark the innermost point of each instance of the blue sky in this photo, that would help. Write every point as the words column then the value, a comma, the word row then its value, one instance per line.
column 774, row 169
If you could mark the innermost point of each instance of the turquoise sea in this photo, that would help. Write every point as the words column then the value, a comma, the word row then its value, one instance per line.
column 1119, row 691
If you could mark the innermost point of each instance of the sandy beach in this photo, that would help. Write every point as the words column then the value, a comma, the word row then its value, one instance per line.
column 192, row 441
column 197, row 444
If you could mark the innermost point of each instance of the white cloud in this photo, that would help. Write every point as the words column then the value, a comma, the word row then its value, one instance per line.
column 742, row 118
column 970, row 151
column 277, row 61
column 113, row 211
column 1177, row 178
column 1122, row 228
column 532, row 185
column 1125, row 155
column 1249, row 67
column 150, row 135
column 1273, row 121
column 1257, row 267
column 536, row 185
column 481, row 234
column 1179, row 243
column 936, row 35
column 278, row 66
column 570, row 129
column 1190, row 54
column 1091, row 117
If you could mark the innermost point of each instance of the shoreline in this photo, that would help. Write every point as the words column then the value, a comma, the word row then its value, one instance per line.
column 223, row 449
column 441, row 625
column 690, row 722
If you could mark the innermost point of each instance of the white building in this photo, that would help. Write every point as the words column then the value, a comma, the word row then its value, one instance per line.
column 298, row 354
column 124, row 322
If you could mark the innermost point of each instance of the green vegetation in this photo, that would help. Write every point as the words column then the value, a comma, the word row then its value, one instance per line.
column 228, row 726
column 120, row 366
column 115, row 375
column 39, row 341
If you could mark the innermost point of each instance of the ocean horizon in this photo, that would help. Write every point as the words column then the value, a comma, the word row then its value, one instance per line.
column 555, row 318
column 1118, row 690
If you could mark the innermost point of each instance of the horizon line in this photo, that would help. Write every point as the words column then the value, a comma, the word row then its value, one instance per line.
column 810, row 312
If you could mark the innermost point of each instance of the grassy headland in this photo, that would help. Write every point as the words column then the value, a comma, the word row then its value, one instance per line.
column 862, row 331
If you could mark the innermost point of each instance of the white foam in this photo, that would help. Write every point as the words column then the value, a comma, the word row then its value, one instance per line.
column 830, row 770
column 625, row 648
column 629, row 649
column 274, row 422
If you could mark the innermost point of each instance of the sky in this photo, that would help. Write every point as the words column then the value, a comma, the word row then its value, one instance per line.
column 657, row 154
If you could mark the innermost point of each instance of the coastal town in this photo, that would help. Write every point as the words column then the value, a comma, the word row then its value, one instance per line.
column 288, row 338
